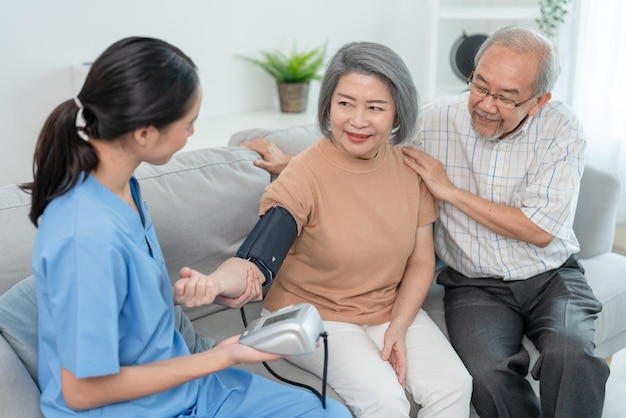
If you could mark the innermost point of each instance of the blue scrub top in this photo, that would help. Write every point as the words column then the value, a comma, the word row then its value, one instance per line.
column 105, row 299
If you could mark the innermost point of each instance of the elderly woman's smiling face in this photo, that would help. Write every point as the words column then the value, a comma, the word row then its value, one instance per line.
column 362, row 114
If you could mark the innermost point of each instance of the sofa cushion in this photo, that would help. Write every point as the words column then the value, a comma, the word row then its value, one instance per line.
column 18, row 236
column 18, row 322
column 605, row 274
column 196, row 342
column 19, row 396
column 203, row 203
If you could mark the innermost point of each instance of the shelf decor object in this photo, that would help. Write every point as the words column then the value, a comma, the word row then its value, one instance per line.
column 463, row 52
column 293, row 73
column 448, row 19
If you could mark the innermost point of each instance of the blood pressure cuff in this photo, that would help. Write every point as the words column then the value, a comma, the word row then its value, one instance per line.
column 269, row 241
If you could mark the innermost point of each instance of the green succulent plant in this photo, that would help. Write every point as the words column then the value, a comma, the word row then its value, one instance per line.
column 298, row 66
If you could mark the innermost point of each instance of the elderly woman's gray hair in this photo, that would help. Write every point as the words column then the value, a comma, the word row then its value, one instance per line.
column 378, row 60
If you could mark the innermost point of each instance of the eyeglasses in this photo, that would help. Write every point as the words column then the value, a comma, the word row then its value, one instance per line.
column 501, row 101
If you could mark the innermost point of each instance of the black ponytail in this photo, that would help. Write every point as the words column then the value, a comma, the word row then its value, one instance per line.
column 135, row 83
column 60, row 157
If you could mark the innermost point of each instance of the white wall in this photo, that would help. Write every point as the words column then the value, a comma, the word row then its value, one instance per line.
column 41, row 40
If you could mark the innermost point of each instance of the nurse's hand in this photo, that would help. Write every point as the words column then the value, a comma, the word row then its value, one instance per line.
column 245, row 354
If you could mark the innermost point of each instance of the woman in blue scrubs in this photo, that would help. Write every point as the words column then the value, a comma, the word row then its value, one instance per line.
column 107, row 341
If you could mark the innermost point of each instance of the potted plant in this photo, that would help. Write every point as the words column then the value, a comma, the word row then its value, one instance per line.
column 293, row 73
column 552, row 15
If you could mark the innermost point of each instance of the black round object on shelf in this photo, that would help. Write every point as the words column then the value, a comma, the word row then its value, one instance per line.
column 463, row 52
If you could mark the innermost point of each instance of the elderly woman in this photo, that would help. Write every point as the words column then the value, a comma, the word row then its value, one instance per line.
column 357, row 223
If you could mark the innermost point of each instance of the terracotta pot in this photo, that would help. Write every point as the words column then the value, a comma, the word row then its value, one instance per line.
column 293, row 97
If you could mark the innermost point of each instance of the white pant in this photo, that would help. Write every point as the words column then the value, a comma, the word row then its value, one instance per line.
column 436, row 377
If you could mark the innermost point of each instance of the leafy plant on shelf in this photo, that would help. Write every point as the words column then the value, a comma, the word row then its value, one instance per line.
column 552, row 15
column 298, row 66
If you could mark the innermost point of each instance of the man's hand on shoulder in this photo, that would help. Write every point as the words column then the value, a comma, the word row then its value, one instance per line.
column 431, row 170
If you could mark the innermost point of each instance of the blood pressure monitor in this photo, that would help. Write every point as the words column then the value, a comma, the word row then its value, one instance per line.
column 291, row 330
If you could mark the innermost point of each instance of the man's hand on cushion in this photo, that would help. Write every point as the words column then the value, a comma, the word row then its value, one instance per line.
column 273, row 159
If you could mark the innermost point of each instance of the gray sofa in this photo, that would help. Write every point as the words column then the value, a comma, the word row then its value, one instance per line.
column 203, row 203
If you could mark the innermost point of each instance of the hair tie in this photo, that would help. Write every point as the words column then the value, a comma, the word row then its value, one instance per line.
column 81, row 123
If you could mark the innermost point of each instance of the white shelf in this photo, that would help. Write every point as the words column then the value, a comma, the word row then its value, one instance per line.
column 488, row 13
column 482, row 17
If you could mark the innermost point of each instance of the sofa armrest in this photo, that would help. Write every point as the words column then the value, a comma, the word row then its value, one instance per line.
column 595, row 219
column 19, row 396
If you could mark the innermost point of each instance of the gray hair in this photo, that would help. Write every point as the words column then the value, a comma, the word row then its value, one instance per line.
column 527, row 39
column 372, row 59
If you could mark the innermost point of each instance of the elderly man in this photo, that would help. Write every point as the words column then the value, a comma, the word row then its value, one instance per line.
column 507, row 175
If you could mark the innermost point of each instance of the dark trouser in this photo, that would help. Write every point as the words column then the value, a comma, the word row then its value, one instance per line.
column 486, row 320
